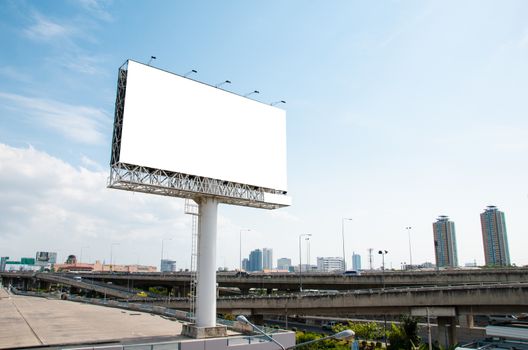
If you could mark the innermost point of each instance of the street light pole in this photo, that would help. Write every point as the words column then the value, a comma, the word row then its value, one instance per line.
column 347, row 333
column 240, row 248
column 300, row 259
column 408, row 228
column 383, row 252
column 343, row 237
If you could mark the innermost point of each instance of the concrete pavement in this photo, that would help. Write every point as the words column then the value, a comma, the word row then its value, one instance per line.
column 30, row 321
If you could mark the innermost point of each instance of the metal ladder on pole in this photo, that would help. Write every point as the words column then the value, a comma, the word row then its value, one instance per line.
column 192, row 208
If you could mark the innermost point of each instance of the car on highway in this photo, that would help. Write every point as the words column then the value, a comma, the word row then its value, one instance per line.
column 352, row 273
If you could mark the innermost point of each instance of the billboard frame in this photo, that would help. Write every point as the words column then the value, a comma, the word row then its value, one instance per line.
column 137, row 178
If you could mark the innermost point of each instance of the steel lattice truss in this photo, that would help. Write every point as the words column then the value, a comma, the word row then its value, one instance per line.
column 140, row 179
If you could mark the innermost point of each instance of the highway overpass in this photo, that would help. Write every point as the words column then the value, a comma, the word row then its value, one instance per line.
column 180, row 281
column 442, row 301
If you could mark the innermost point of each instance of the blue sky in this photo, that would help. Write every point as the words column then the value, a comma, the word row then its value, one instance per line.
column 397, row 112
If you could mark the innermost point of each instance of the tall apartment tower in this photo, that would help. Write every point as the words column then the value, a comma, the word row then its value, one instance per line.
column 255, row 260
column 494, row 237
column 356, row 262
column 267, row 258
column 445, row 242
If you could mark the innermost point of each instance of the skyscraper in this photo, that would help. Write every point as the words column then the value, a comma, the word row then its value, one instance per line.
column 245, row 264
column 445, row 242
column 267, row 258
column 356, row 262
column 255, row 260
column 494, row 237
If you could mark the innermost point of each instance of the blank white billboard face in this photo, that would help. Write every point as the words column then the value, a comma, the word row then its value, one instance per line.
column 180, row 125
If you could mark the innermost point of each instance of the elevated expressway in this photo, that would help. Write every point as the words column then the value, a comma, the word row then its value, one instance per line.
column 441, row 301
column 458, row 294
column 316, row 281
column 449, row 305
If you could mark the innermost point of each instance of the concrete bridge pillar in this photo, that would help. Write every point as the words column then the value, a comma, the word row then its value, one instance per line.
column 447, row 330
column 466, row 321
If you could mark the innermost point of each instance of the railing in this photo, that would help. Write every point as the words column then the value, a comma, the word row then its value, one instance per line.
column 172, row 345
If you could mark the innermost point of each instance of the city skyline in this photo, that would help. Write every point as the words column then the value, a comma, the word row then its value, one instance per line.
column 392, row 117
column 445, row 254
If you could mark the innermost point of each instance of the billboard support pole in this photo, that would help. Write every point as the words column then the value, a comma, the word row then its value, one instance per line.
column 206, row 288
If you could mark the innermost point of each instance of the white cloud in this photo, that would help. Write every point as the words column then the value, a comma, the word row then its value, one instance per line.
column 90, row 163
column 96, row 8
column 77, row 123
column 49, row 204
column 45, row 29
column 13, row 74
column 80, row 62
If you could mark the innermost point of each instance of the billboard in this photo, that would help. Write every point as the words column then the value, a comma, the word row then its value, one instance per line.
column 43, row 258
column 180, row 125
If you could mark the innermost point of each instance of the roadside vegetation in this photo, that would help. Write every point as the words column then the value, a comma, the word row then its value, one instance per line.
column 369, row 336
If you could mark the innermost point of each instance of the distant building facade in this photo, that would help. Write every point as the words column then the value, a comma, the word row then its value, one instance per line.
column 267, row 258
column 356, row 262
column 168, row 265
column 445, row 242
column 245, row 264
column 46, row 258
column 255, row 260
column 328, row 264
column 3, row 261
column 284, row 264
column 494, row 237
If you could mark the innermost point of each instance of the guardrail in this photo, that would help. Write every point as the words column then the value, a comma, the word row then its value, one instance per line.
column 172, row 345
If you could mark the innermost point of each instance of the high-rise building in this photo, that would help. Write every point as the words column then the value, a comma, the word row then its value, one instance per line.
column 168, row 265
column 327, row 264
column 284, row 264
column 245, row 264
column 445, row 242
column 356, row 262
column 494, row 237
column 267, row 258
column 255, row 260
column 3, row 261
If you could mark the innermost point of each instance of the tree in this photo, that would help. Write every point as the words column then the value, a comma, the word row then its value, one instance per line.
column 405, row 335
column 301, row 337
column 363, row 330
